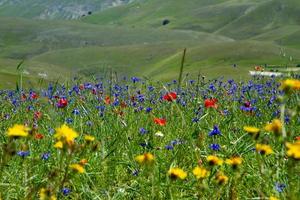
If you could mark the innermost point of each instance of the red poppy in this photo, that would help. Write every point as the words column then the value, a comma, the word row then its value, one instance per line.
column 107, row 100
column 161, row 122
column 34, row 95
column 211, row 103
column 170, row 96
column 62, row 103
column 297, row 138
column 39, row 136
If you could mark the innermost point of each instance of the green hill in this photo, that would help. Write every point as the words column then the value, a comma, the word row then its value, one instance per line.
column 130, row 38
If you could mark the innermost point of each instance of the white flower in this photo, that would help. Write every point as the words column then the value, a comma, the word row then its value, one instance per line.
column 159, row 134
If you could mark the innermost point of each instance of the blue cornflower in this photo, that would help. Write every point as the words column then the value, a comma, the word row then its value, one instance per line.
column 89, row 123
column 6, row 116
column 51, row 131
column 215, row 147
column 143, row 144
column 141, row 98
column 247, row 109
column 150, row 88
column 135, row 79
column 45, row 156
column 287, row 119
column 135, row 172
column 225, row 112
column 116, row 102
column 215, row 131
column 195, row 120
column 212, row 87
column 143, row 131
column 169, row 147
column 148, row 110
column 76, row 112
column 69, row 120
column 280, row 187
column 23, row 154
column 66, row 191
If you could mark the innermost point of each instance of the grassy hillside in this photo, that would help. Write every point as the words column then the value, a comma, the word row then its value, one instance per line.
column 235, row 19
column 200, row 15
column 131, row 39
column 66, row 46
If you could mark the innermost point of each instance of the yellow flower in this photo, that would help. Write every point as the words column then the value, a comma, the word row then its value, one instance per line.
column 234, row 161
column 251, row 129
column 46, row 195
column 214, row 160
column 18, row 131
column 58, row 145
column 221, row 178
column 275, row 126
column 200, row 172
column 273, row 198
column 66, row 133
column 146, row 158
column 78, row 168
column 263, row 149
column 89, row 138
column 293, row 150
column 290, row 84
column 176, row 173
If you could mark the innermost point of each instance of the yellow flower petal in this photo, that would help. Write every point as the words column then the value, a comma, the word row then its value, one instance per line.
column 200, row 172
column 176, row 173
column 78, row 168
column 58, row 145
column 18, row 131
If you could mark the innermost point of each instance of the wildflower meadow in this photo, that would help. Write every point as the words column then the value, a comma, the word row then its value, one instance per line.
column 134, row 138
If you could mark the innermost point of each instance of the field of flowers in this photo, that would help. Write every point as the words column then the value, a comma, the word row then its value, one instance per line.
column 138, row 139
